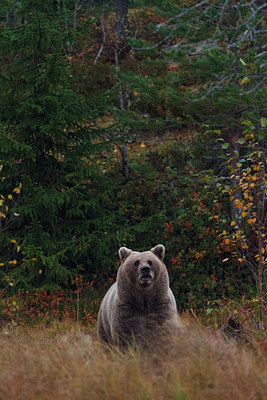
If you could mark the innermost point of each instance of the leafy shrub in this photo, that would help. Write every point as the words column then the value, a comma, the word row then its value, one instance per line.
column 42, row 308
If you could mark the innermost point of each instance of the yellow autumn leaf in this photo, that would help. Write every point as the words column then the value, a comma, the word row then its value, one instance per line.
column 235, row 312
column 224, row 233
column 227, row 241
column 142, row 145
column 13, row 241
column 34, row 259
column 2, row 264
column 243, row 214
column 2, row 215
column 232, row 223
column 10, row 196
column 226, row 259
column 17, row 190
column 40, row 271
column 244, row 81
column 18, row 249
column 240, row 260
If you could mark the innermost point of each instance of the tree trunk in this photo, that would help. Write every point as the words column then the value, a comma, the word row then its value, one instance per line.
column 121, row 21
column 234, row 180
column 75, row 14
column 260, row 273
column 261, row 243
column 121, row 27
column 121, row 48
column 124, row 159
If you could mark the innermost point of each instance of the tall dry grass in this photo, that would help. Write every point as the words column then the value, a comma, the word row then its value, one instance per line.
column 65, row 362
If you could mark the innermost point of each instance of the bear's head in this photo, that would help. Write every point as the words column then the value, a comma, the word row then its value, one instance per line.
column 142, row 270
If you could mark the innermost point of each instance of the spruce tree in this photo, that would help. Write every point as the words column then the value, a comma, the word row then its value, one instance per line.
column 46, row 144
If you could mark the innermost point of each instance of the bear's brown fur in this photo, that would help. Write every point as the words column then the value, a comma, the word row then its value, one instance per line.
column 140, row 304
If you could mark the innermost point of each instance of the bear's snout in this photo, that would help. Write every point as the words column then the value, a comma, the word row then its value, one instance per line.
column 146, row 275
column 145, row 270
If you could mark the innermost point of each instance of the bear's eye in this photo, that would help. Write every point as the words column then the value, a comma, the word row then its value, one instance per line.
column 149, row 263
column 136, row 263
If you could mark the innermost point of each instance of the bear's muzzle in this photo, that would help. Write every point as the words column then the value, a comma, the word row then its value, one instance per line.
column 146, row 276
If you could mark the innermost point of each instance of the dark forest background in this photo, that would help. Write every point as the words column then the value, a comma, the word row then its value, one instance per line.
column 132, row 123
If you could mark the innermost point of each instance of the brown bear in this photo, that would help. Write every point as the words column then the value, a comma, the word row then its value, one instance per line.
column 140, row 305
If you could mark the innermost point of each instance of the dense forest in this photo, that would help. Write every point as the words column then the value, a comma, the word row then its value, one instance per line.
column 132, row 123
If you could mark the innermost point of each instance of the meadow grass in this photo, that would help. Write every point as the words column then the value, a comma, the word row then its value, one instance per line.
column 65, row 361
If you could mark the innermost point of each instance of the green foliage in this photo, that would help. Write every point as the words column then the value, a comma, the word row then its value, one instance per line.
column 213, row 64
column 245, row 235
column 45, row 142
column 235, row 318
column 64, row 207
column 164, row 203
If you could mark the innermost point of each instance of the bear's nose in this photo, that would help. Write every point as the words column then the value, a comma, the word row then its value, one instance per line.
column 145, row 269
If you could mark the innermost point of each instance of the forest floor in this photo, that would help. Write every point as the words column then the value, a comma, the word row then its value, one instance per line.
column 65, row 361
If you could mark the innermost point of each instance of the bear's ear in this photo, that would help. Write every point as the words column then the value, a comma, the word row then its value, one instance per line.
column 159, row 251
column 124, row 253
